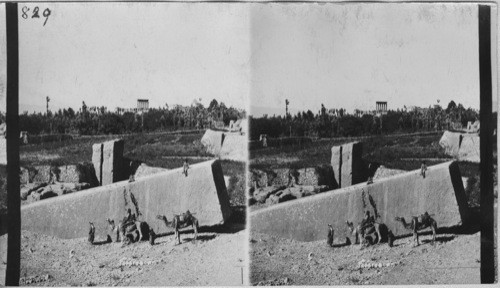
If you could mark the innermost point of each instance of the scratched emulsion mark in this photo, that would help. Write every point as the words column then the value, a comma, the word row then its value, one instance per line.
column 136, row 205
column 125, row 197
column 372, row 202
column 363, row 195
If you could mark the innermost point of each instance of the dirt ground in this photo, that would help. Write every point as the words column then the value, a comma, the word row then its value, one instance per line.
column 453, row 259
column 216, row 258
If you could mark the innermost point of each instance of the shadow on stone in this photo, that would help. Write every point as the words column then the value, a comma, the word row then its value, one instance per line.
column 200, row 238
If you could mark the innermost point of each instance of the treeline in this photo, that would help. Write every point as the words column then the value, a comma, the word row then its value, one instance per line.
column 337, row 123
column 99, row 121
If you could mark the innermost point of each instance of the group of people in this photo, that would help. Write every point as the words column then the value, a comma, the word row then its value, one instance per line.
column 128, row 220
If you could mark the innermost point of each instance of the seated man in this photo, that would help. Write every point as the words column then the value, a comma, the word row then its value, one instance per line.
column 130, row 219
column 367, row 221
column 184, row 216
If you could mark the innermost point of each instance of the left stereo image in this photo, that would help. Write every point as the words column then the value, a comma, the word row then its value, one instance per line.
column 132, row 136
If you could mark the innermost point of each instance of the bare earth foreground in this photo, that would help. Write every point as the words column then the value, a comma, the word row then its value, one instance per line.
column 214, row 259
column 453, row 259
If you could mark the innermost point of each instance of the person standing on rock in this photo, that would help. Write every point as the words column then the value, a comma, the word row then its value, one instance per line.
column 91, row 233
column 185, row 167
column 423, row 168
column 329, row 240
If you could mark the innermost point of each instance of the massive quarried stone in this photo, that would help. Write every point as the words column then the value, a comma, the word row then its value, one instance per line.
column 469, row 148
column 203, row 192
column 234, row 147
column 108, row 161
column 112, row 162
column 440, row 193
column 212, row 141
column 145, row 170
column 348, row 166
column 97, row 161
column 462, row 146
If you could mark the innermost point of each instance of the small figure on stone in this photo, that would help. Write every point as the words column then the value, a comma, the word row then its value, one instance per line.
column 370, row 181
column 329, row 240
column 423, row 168
column 91, row 233
column 390, row 238
column 370, row 173
column 152, row 236
column 185, row 167
column 108, row 239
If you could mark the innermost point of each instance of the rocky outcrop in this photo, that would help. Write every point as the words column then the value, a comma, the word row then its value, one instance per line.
column 80, row 173
column 312, row 176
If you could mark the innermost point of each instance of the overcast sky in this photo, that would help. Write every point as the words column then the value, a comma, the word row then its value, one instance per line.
column 341, row 55
column 352, row 55
column 113, row 53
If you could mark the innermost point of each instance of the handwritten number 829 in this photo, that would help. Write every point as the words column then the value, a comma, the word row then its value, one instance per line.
column 46, row 13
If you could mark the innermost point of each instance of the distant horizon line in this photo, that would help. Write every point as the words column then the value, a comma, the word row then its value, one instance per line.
column 296, row 110
column 42, row 109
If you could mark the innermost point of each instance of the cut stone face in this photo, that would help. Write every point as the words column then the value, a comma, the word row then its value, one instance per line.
column 203, row 193
column 347, row 164
column 440, row 193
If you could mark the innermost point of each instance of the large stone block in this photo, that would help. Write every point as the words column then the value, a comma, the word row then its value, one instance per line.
column 469, row 148
column 203, row 192
column 212, row 141
column 348, row 166
column 112, row 162
column 145, row 170
column 462, row 146
column 441, row 194
column 234, row 147
column 97, row 161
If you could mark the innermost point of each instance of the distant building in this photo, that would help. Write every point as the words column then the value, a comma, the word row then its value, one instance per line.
column 97, row 110
column 381, row 107
column 142, row 104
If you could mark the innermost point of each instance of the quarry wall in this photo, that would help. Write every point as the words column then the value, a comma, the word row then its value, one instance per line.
column 440, row 193
column 203, row 192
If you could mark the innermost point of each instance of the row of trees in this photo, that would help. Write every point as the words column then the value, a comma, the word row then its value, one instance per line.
column 342, row 124
column 99, row 121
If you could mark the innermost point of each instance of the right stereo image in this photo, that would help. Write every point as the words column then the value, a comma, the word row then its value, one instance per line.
column 372, row 144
